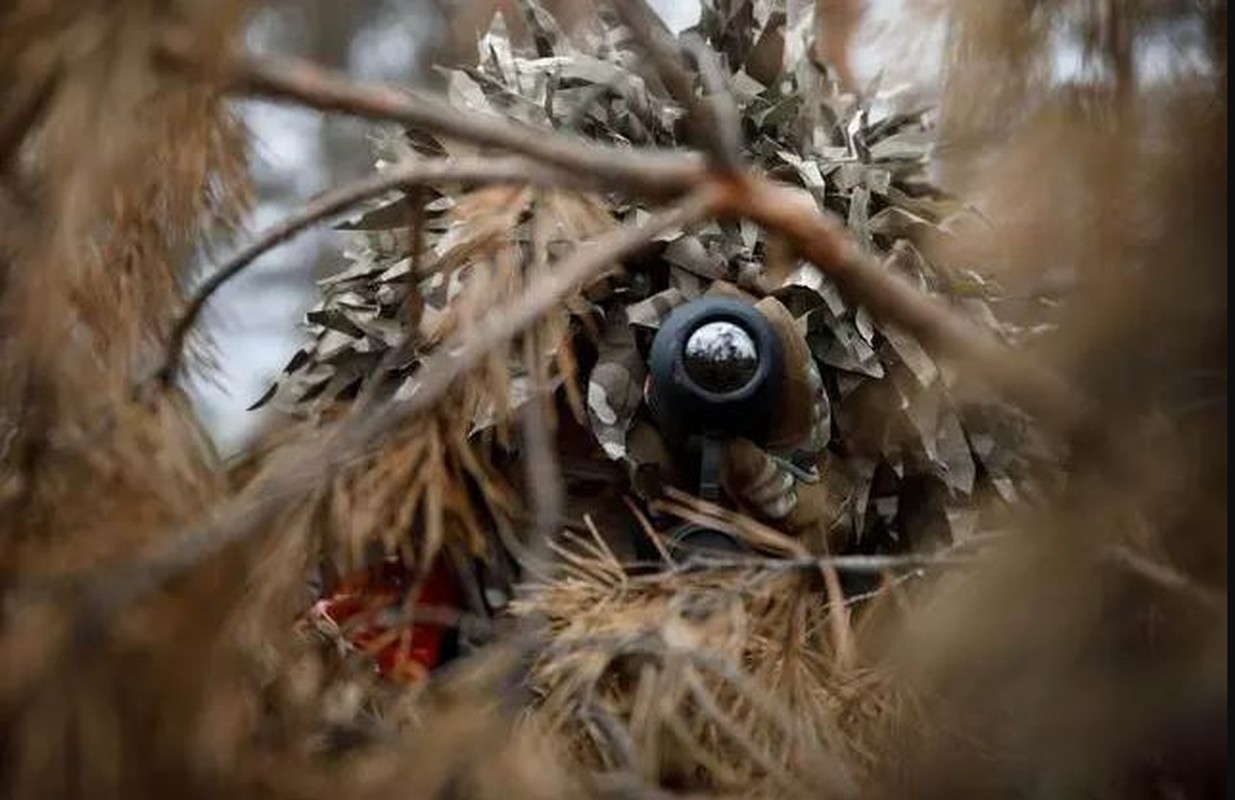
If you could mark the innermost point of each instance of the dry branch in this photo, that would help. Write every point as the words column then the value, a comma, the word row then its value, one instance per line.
column 895, row 301
column 855, row 564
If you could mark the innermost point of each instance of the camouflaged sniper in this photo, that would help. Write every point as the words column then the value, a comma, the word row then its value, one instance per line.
column 910, row 461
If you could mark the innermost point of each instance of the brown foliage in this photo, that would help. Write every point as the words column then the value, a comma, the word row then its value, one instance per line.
column 1082, row 654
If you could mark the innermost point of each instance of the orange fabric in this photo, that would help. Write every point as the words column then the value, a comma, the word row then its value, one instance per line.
column 403, row 653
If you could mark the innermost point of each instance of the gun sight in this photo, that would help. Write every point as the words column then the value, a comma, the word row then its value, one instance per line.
column 716, row 367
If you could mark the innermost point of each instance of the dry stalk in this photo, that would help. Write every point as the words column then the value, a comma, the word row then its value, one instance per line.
column 291, row 80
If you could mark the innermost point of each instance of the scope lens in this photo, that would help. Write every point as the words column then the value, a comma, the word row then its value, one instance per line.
column 720, row 357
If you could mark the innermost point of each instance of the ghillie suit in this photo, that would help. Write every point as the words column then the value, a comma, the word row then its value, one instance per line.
column 887, row 462
column 905, row 459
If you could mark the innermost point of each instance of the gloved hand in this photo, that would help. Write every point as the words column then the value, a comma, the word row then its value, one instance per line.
column 768, row 489
column 775, row 484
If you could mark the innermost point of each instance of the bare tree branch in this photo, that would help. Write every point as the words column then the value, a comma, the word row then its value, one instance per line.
column 855, row 565
column 817, row 237
column 410, row 173
column 648, row 173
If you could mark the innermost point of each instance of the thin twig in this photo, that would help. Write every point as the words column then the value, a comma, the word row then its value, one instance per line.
column 730, row 727
column 302, row 469
column 620, row 743
column 704, row 512
column 653, row 644
column 726, row 138
column 651, row 174
column 1165, row 576
column 543, row 470
column 473, row 626
column 649, row 531
column 336, row 201
column 893, row 300
column 839, row 618
column 543, row 475
column 857, row 565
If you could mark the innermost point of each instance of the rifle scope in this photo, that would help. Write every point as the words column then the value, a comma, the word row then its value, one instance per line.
column 715, row 374
column 716, row 367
